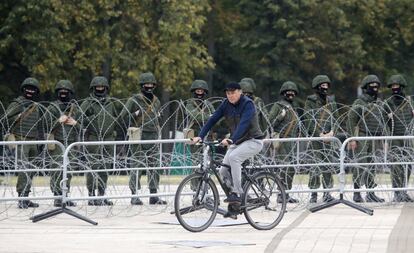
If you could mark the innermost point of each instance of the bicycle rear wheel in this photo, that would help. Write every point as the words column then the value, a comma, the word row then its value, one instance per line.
column 196, row 203
column 262, row 207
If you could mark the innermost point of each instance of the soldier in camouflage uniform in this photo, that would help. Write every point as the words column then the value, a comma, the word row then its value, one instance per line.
column 23, row 117
column 199, row 111
column 62, row 123
column 366, row 117
column 285, row 125
column 198, row 108
column 99, row 124
column 249, row 87
column 400, row 113
column 320, row 114
column 143, row 111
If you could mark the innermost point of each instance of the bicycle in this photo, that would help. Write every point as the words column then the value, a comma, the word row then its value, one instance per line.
column 197, row 198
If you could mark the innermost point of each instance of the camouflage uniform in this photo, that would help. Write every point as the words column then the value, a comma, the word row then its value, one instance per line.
column 62, row 132
column 285, row 125
column 143, row 111
column 99, row 121
column 23, row 116
column 400, row 112
column 249, row 88
column 320, row 114
column 366, row 117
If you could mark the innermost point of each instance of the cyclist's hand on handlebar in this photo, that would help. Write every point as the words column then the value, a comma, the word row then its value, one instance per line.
column 226, row 142
column 195, row 140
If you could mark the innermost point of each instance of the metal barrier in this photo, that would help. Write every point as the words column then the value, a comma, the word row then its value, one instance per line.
column 342, row 174
column 16, row 169
column 267, row 162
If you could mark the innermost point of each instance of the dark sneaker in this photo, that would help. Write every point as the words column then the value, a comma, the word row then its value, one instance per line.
column 371, row 197
column 357, row 197
column 314, row 197
column 136, row 201
column 157, row 201
column 92, row 202
column 233, row 198
column 327, row 197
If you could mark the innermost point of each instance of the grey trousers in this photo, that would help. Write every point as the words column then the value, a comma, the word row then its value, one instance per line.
column 235, row 156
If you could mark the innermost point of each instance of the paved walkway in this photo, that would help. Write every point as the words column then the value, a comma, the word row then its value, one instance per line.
column 337, row 229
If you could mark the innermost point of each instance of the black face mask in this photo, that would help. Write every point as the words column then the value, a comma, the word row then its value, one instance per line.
column 323, row 92
column 148, row 92
column 289, row 96
column 31, row 93
column 372, row 91
column 397, row 91
column 64, row 96
column 100, row 93
column 199, row 96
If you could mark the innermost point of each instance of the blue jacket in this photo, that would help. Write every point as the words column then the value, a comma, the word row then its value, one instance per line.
column 241, row 118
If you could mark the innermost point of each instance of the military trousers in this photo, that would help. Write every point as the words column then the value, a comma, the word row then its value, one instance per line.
column 56, row 162
column 146, row 155
column 26, row 155
column 323, row 153
column 286, row 154
column 99, row 157
column 400, row 152
column 365, row 175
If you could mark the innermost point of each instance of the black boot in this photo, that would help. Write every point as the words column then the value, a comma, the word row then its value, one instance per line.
column 314, row 197
column 327, row 197
column 57, row 203
column 291, row 200
column 24, row 204
column 103, row 202
column 371, row 197
column 397, row 197
column 136, row 201
column 357, row 195
column 358, row 198
column 156, row 200
column 92, row 202
column 406, row 197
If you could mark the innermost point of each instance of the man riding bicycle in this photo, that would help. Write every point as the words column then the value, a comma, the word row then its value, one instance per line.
column 246, row 138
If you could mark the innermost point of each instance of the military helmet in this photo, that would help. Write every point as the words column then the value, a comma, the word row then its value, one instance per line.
column 251, row 81
column 30, row 81
column 369, row 79
column 199, row 84
column 397, row 79
column 319, row 79
column 99, row 81
column 289, row 85
column 247, row 87
column 147, row 77
column 65, row 84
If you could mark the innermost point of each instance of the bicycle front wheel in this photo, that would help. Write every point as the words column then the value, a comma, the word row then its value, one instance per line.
column 196, row 203
column 265, row 201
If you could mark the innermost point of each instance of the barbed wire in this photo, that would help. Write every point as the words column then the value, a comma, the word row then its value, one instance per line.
column 170, row 121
